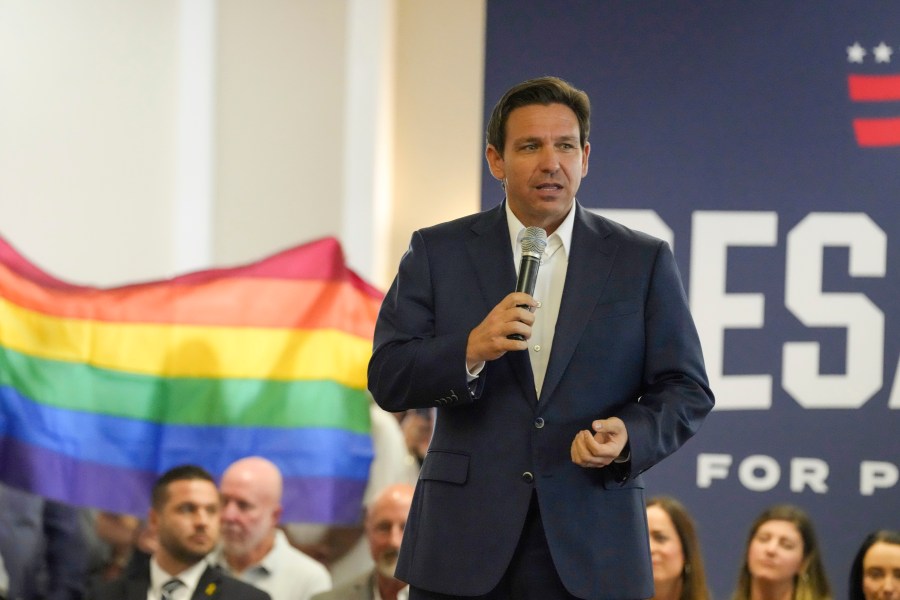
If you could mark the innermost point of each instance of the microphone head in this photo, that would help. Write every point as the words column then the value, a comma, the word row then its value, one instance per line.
column 534, row 241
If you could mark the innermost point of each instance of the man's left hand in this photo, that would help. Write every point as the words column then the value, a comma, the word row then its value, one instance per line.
column 602, row 446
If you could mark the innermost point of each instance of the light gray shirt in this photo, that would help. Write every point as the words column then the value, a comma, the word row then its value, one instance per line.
column 284, row 573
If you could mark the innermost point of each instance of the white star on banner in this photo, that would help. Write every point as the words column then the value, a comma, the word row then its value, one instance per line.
column 855, row 53
column 882, row 53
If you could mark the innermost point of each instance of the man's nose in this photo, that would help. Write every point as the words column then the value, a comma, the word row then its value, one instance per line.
column 229, row 511
column 396, row 535
column 549, row 159
column 202, row 518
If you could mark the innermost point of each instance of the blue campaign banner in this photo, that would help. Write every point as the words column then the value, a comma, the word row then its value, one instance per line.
column 762, row 139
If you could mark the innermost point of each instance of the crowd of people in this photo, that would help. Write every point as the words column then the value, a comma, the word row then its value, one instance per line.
column 782, row 559
column 53, row 551
column 229, row 539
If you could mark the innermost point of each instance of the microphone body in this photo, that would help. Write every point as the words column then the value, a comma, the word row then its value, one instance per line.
column 528, row 272
column 533, row 243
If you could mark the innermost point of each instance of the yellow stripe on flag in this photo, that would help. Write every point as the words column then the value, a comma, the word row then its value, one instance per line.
column 189, row 351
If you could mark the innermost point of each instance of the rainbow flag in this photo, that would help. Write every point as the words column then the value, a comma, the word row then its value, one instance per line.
column 101, row 390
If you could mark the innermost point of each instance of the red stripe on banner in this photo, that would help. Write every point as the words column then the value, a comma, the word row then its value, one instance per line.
column 874, row 88
column 877, row 132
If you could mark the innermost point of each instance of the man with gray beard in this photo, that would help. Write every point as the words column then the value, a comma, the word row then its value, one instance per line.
column 253, row 548
column 385, row 522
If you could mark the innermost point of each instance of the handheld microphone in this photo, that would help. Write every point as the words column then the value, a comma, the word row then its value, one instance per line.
column 533, row 243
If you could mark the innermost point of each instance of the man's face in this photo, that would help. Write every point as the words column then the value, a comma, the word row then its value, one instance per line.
column 542, row 164
column 384, row 528
column 187, row 526
column 418, row 427
column 249, row 515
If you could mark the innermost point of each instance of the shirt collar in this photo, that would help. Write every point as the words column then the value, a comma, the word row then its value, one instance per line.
column 189, row 577
column 563, row 232
column 266, row 564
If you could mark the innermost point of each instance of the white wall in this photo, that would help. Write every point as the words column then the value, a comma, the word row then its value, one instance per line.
column 440, row 89
column 90, row 138
column 280, row 123
column 87, row 126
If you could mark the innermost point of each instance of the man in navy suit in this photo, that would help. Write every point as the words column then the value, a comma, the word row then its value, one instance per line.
column 185, row 514
column 532, row 485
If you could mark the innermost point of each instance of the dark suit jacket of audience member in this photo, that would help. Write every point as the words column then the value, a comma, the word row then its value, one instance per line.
column 44, row 548
column 214, row 585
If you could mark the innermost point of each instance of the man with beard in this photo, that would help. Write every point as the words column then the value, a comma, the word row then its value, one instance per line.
column 385, row 522
column 184, row 514
column 253, row 548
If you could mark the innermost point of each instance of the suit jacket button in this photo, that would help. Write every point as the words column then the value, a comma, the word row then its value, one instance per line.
column 539, row 422
column 527, row 477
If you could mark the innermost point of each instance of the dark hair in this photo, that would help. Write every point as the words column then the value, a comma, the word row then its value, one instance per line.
column 545, row 91
column 693, row 576
column 887, row 536
column 811, row 583
column 160, row 494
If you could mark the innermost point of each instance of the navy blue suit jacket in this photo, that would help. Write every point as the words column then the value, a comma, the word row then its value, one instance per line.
column 214, row 584
column 625, row 345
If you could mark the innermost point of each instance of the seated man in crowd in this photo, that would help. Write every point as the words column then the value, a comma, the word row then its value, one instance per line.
column 43, row 546
column 418, row 427
column 185, row 515
column 385, row 521
column 253, row 548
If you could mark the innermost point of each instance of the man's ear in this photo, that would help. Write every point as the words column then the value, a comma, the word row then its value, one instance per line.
column 495, row 162
column 276, row 515
column 584, row 158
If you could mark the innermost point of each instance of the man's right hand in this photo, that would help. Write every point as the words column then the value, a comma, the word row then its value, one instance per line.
column 490, row 340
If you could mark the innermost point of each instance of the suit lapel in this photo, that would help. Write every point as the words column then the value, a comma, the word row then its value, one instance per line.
column 590, row 262
column 209, row 584
column 137, row 580
column 136, row 589
column 497, row 278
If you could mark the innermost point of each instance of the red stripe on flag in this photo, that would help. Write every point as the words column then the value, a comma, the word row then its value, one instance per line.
column 874, row 88
column 877, row 132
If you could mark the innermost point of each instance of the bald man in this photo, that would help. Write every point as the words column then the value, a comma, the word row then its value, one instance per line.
column 385, row 522
column 253, row 548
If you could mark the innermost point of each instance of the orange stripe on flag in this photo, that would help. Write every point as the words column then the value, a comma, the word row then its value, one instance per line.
column 236, row 302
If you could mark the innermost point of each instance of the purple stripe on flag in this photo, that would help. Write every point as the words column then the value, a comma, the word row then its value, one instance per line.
column 66, row 479
column 122, row 490
column 318, row 500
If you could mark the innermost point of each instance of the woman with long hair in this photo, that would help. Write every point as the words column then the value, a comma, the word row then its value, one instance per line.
column 875, row 574
column 678, row 572
column 782, row 559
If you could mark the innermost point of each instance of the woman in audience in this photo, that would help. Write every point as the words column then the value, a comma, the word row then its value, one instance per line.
column 678, row 572
column 782, row 560
column 875, row 574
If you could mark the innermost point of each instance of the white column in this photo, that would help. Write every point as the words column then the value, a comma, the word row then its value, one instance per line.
column 368, row 136
column 192, row 215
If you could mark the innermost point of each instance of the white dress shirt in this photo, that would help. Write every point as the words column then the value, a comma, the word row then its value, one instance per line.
column 548, row 289
column 284, row 573
column 189, row 577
